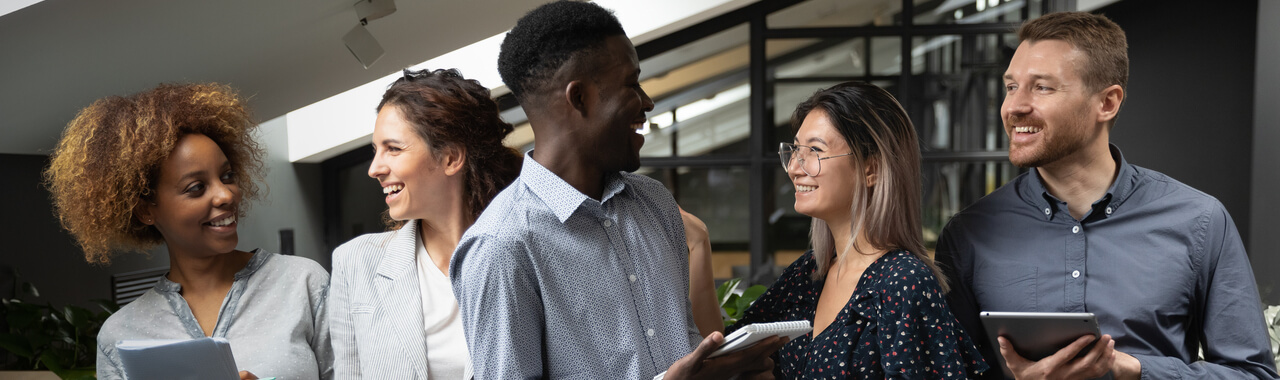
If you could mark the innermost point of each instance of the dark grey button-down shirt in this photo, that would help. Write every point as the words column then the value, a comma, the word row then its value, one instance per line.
column 1160, row 264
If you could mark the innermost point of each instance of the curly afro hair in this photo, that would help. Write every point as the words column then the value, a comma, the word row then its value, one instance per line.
column 547, row 37
column 109, row 158
column 446, row 109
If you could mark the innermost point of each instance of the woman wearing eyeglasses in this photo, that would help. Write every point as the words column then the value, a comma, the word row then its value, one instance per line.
column 873, row 295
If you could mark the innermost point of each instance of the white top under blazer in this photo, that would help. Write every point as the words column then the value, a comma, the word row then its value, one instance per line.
column 376, row 309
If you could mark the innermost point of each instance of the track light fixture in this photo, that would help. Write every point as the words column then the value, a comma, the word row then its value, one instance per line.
column 359, row 41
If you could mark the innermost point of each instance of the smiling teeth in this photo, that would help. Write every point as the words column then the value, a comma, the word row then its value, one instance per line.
column 805, row 189
column 1026, row 129
column 392, row 189
column 228, row 220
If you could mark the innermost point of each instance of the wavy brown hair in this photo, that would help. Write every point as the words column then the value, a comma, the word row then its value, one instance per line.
column 109, row 157
column 445, row 110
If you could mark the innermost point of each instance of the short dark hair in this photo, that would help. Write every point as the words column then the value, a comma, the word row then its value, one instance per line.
column 445, row 110
column 549, row 36
column 1100, row 39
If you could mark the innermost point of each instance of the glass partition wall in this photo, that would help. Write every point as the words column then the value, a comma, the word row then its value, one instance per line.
column 724, row 91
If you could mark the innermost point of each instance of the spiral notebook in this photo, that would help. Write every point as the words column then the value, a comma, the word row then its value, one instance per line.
column 756, row 332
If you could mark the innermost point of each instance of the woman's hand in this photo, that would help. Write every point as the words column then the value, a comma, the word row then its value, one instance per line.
column 246, row 375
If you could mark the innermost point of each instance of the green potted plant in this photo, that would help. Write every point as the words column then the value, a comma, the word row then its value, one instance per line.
column 36, row 336
column 1272, row 315
column 734, row 302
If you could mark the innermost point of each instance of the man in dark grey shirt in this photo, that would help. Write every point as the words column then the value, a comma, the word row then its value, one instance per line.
column 1160, row 263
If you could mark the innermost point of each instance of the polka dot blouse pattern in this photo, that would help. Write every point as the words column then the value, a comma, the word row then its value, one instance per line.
column 896, row 325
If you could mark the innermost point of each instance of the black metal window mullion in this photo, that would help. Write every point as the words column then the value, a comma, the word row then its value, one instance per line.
column 761, row 124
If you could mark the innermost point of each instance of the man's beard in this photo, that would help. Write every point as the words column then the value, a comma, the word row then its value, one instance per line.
column 1053, row 147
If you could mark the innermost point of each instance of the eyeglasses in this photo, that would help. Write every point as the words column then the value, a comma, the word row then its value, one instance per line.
column 809, row 160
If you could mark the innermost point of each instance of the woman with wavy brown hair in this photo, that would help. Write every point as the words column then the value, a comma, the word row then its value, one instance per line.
column 175, row 166
column 439, row 158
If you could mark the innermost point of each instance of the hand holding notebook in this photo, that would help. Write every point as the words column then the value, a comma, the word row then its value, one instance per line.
column 755, row 332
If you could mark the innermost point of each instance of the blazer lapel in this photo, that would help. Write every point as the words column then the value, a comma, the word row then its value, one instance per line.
column 399, row 313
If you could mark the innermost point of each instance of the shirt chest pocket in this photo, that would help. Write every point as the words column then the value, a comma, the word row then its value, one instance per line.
column 367, row 341
column 1005, row 287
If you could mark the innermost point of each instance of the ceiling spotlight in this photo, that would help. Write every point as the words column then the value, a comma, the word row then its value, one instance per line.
column 362, row 44
column 369, row 10
column 359, row 41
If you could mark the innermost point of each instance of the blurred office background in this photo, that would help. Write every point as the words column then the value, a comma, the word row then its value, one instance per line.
column 1203, row 106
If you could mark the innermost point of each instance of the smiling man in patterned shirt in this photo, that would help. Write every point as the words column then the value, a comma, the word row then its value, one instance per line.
column 579, row 268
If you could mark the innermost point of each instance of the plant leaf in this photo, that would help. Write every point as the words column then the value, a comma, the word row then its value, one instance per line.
column 77, row 316
column 749, row 296
column 108, row 306
column 22, row 316
column 15, row 344
column 28, row 288
column 726, row 289
column 731, row 307
column 76, row 374
column 52, row 361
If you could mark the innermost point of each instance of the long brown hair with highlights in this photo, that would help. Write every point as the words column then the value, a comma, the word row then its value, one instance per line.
column 879, row 133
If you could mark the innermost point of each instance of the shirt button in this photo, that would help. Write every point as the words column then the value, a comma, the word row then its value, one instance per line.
column 649, row 333
column 632, row 277
column 1108, row 211
column 608, row 223
column 1075, row 274
column 1075, row 229
column 1046, row 211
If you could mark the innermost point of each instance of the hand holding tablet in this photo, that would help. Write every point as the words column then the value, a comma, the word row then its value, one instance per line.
column 1036, row 336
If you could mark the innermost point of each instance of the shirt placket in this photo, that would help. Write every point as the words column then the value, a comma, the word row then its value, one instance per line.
column 617, row 242
column 1077, row 248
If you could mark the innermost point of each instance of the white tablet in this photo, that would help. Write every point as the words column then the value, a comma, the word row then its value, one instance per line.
column 1037, row 335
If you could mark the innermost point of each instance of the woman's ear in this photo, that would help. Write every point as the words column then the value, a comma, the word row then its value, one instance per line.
column 454, row 158
column 144, row 213
column 872, row 170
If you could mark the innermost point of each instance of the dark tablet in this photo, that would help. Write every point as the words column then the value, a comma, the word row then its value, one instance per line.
column 1037, row 335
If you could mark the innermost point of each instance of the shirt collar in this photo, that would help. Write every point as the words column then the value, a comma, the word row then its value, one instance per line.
column 561, row 197
column 1033, row 191
column 260, row 257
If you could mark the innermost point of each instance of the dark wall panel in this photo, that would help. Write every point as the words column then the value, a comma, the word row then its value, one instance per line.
column 41, row 251
column 1189, row 108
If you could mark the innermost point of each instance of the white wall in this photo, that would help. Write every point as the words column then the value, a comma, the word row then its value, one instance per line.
column 292, row 200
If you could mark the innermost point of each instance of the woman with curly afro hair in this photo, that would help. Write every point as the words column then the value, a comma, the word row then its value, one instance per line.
column 174, row 165
column 439, row 158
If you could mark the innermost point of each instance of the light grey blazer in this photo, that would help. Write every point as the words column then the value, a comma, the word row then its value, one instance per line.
column 375, row 308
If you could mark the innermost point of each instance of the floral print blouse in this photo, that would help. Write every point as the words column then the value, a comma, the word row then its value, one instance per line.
column 896, row 325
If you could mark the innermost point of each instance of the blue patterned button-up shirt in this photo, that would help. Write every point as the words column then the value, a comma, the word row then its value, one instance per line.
column 554, row 284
